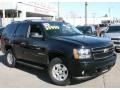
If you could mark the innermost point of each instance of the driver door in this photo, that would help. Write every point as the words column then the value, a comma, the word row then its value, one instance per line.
column 36, row 47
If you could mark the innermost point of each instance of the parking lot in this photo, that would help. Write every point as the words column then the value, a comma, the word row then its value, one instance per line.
column 24, row 76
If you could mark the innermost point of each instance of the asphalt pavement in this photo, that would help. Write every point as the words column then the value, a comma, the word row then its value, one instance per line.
column 23, row 76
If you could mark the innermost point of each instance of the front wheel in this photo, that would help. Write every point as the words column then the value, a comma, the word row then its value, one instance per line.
column 10, row 59
column 58, row 72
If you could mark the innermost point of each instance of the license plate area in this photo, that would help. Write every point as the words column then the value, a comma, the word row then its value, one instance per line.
column 103, row 70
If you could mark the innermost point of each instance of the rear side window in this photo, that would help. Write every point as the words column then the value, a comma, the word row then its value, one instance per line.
column 113, row 29
column 22, row 30
column 9, row 30
column 1, row 30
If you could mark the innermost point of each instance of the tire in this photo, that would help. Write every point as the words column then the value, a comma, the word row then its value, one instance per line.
column 58, row 72
column 10, row 59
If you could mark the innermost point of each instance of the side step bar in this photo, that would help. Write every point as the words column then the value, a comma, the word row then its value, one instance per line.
column 31, row 65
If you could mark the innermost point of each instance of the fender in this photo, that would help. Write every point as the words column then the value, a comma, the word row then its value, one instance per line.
column 56, row 53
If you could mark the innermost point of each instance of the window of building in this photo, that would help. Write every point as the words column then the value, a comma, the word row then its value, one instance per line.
column 1, row 13
column 10, row 13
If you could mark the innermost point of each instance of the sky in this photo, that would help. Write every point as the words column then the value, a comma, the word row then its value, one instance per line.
column 95, row 9
column 77, row 9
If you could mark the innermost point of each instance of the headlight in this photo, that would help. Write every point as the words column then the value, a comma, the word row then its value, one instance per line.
column 82, row 53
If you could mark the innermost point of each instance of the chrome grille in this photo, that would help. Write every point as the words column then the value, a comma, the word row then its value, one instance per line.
column 103, row 52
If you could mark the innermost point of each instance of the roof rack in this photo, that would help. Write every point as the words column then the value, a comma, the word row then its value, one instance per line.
column 37, row 20
column 27, row 20
column 15, row 21
column 32, row 20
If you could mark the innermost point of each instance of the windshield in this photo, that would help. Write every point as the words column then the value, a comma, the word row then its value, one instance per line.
column 60, row 29
column 113, row 29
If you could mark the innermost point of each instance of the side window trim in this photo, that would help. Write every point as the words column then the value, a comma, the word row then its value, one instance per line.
column 28, row 32
column 17, row 25
column 29, row 29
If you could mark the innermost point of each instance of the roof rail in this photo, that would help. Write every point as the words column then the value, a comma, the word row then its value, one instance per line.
column 27, row 20
column 15, row 21
column 34, row 20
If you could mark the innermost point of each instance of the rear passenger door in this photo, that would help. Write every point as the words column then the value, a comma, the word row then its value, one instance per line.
column 7, row 35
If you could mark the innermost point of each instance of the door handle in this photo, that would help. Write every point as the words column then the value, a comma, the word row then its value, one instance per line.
column 37, row 48
column 23, row 43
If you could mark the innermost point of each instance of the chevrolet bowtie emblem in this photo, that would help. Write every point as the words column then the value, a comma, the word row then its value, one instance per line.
column 106, row 50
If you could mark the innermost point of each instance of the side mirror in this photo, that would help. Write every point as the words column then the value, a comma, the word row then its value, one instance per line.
column 36, row 35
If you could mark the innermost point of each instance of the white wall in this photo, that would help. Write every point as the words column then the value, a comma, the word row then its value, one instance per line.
column 81, row 21
column 37, row 7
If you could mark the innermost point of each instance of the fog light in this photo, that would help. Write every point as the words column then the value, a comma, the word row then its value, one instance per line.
column 83, row 72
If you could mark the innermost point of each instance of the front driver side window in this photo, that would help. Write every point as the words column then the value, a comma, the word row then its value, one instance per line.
column 35, row 28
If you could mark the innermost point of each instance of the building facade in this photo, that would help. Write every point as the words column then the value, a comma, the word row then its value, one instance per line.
column 98, row 20
column 13, row 11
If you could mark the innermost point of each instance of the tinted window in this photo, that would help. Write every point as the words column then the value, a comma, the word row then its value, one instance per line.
column 36, row 28
column 113, row 29
column 9, row 30
column 1, row 30
column 22, row 30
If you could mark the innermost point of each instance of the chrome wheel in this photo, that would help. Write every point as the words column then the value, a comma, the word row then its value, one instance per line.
column 60, row 72
column 10, row 58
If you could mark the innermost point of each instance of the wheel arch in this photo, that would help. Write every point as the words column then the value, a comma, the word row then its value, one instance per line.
column 58, row 54
column 8, row 47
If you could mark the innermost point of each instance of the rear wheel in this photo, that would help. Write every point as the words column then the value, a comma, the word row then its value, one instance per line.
column 58, row 72
column 10, row 59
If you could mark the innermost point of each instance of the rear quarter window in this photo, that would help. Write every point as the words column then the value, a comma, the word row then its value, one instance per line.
column 22, row 30
column 9, row 30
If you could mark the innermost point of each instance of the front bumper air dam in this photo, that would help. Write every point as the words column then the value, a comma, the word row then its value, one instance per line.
column 92, row 67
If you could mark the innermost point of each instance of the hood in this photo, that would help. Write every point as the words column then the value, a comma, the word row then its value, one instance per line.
column 89, row 41
column 112, row 35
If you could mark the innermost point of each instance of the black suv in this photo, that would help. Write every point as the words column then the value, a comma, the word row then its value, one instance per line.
column 57, row 46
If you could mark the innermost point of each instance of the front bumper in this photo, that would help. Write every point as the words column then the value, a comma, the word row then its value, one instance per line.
column 92, row 67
